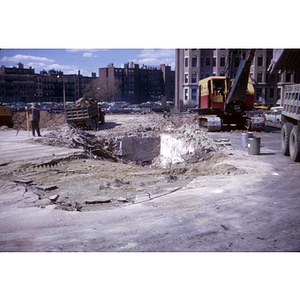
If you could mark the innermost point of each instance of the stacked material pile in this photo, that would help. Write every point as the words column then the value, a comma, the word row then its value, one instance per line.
column 83, row 102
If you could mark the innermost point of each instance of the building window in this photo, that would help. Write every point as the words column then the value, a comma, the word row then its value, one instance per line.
column 272, row 77
column 186, row 78
column 288, row 77
column 222, row 62
column 186, row 94
column 258, row 94
column 278, row 94
column 271, row 93
column 207, row 61
column 194, row 62
column 194, row 94
column 260, row 61
column 259, row 77
column 186, row 62
column 214, row 61
column 194, row 78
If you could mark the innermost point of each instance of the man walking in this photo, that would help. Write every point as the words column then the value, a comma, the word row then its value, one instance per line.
column 34, row 118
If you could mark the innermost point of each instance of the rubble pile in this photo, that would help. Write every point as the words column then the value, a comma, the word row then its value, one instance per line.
column 159, row 139
column 187, row 144
column 82, row 102
column 94, row 146
column 47, row 120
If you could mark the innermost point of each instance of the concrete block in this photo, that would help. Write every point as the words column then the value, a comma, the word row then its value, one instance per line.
column 138, row 148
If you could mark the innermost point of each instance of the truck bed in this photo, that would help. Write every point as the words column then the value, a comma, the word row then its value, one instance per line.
column 81, row 113
column 291, row 102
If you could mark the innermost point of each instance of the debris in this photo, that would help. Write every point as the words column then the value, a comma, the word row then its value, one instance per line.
column 82, row 102
column 97, row 201
column 24, row 181
column 77, row 206
column 222, row 142
column 54, row 197
column 46, row 187
column 171, row 178
column 226, row 228
column 43, row 202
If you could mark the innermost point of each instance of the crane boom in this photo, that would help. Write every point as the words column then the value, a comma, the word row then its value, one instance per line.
column 237, row 94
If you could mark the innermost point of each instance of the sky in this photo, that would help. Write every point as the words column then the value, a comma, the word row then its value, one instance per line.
column 69, row 61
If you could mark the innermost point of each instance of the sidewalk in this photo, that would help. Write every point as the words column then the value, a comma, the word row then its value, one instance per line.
column 18, row 147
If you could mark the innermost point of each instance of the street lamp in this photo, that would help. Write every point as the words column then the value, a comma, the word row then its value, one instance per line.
column 64, row 92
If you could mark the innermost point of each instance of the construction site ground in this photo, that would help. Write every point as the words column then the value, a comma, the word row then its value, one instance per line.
column 57, row 198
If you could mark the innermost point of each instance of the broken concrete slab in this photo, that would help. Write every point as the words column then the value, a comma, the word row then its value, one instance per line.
column 97, row 201
column 23, row 181
column 138, row 148
column 46, row 187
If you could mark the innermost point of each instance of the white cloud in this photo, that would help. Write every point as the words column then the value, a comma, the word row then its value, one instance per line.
column 155, row 57
column 157, row 53
column 84, row 50
column 27, row 59
column 40, row 63
column 87, row 54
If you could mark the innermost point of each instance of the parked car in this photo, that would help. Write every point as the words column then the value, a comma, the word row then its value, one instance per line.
column 273, row 116
column 258, row 107
column 117, row 110
column 160, row 108
column 193, row 109
column 135, row 108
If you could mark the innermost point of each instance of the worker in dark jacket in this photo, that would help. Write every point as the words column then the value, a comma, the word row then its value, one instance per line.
column 34, row 118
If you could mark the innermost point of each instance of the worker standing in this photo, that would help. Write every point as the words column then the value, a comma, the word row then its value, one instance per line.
column 34, row 118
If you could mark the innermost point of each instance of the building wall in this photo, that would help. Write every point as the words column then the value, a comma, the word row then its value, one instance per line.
column 24, row 85
column 268, row 87
column 192, row 65
column 141, row 84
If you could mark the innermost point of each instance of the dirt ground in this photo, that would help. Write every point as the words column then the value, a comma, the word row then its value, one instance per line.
column 98, row 179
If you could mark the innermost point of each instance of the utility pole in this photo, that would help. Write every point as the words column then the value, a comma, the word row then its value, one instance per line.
column 64, row 93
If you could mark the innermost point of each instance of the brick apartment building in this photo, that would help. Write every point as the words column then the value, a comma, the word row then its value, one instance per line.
column 141, row 84
column 192, row 65
column 19, row 84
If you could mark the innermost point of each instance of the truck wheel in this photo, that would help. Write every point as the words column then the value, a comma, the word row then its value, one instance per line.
column 285, row 138
column 295, row 144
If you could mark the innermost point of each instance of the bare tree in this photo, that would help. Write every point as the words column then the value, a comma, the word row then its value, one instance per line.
column 102, row 89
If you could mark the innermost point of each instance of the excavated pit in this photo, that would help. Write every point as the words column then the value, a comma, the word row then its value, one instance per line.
column 137, row 159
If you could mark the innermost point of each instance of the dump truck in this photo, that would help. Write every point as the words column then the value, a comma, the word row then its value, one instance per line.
column 290, row 120
column 227, row 101
column 289, row 60
column 85, row 114
column 6, row 116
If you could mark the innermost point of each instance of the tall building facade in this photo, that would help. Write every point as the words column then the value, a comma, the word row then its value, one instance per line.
column 141, row 84
column 19, row 84
column 193, row 65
